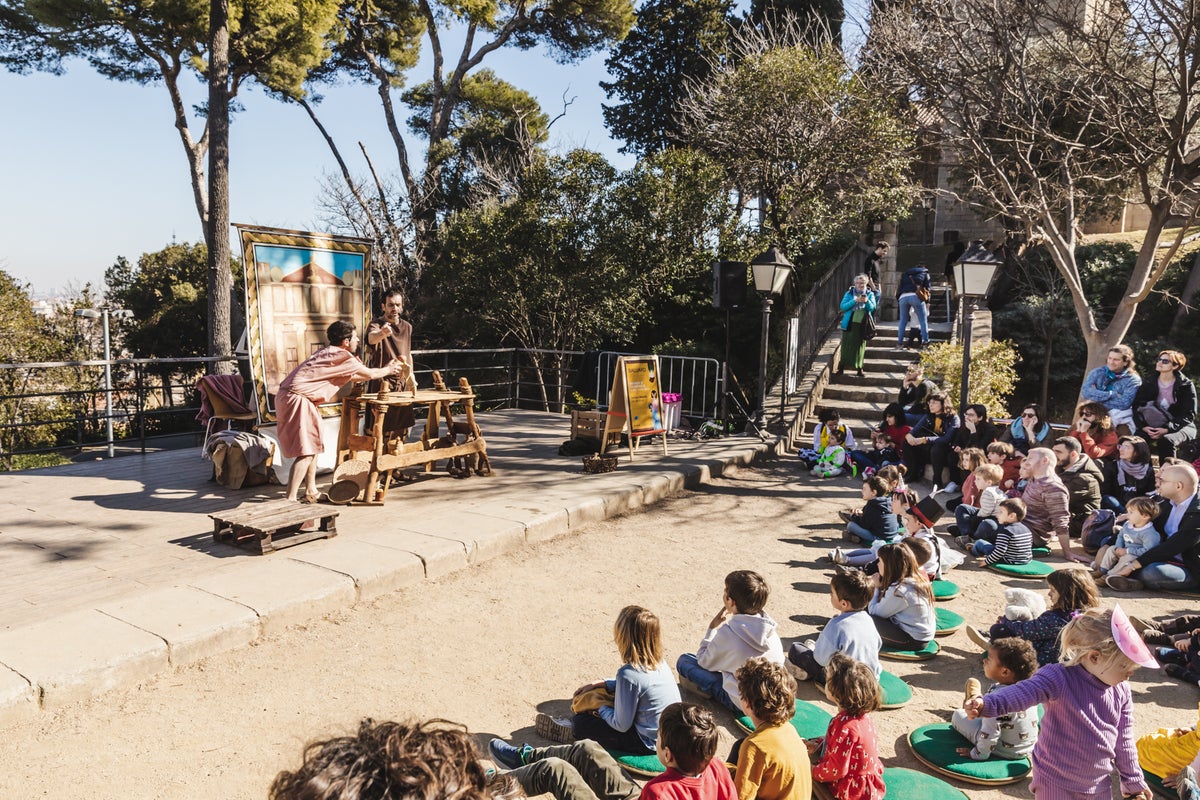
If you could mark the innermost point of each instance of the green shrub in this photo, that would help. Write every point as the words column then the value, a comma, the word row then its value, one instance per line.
column 993, row 372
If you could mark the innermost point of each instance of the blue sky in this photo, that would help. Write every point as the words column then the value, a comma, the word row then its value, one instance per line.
column 93, row 169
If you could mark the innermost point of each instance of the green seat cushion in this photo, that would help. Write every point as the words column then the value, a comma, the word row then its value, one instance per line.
column 947, row 622
column 639, row 764
column 936, row 746
column 925, row 653
column 1038, row 552
column 895, row 691
column 1157, row 786
column 909, row 784
column 1034, row 569
column 944, row 590
column 810, row 720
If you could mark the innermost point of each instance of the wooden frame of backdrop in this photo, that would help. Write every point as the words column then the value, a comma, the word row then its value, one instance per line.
column 635, row 402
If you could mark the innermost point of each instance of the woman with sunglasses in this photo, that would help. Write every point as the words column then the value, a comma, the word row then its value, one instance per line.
column 1027, row 431
column 1094, row 429
column 1164, row 410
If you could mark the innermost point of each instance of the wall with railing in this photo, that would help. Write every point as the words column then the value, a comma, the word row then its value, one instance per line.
column 61, row 407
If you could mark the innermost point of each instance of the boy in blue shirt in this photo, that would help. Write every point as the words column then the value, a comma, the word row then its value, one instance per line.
column 851, row 631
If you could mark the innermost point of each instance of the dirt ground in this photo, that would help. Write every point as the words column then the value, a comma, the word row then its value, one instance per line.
column 494, row 644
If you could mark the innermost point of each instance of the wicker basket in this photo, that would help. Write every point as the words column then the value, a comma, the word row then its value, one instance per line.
column 596, row 464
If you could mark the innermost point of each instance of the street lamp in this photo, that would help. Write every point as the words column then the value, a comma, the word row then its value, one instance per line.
column 974, row 272
column 771, row 271
column 103, row 315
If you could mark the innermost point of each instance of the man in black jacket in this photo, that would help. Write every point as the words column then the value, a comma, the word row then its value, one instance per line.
column 1174, row 564
column 1082, row 476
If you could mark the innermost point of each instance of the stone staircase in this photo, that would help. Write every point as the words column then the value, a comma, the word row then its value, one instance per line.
column 861, row 401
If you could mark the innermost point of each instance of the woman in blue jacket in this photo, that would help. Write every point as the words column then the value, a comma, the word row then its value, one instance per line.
column 858, row 304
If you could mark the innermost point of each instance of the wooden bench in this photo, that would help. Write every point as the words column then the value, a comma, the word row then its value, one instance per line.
column 266, row 527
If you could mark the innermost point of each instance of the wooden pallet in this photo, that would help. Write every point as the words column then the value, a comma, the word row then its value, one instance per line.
column 266, row 527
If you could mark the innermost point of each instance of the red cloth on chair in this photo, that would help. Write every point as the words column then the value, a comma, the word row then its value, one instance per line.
column 226, row 387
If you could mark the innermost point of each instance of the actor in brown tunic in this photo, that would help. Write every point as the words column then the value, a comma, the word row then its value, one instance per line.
column 389, row 338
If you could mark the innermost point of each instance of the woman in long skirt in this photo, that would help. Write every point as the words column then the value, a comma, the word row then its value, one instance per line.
column 858, row 304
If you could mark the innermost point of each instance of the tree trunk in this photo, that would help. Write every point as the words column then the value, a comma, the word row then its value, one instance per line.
column 220, row 277
column 1045, row 398
column 1190, row 290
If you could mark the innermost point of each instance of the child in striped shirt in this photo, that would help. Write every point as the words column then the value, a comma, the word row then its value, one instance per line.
column 1014, row 541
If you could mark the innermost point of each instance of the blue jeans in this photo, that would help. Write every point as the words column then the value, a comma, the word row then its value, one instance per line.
column 1167, row 577
column 982, row 547
column 708, row 682
column 1112, row 504
column 986, row 529
column 866, row 536
column 913, row 303
column 967, row 518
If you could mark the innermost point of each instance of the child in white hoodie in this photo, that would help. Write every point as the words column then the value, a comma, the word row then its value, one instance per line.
column 741, row 630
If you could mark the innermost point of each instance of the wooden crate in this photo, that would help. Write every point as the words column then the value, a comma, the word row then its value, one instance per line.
column 587, row 423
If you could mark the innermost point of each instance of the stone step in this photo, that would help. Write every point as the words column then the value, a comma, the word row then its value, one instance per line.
column 864, row 390
column 897, row 363
column 859, row 409
column 873, row 378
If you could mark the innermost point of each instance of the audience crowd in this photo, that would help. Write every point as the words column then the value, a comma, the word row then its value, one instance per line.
column 1114, row 490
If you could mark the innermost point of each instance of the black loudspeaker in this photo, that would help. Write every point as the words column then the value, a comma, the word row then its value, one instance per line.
column 729, row 284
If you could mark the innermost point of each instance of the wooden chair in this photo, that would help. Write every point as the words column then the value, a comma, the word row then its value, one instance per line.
column 222, row 409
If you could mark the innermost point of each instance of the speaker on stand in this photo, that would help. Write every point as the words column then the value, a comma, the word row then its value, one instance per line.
column 729, row 292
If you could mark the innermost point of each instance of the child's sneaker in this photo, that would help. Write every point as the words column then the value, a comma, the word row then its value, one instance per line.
column 837, row 556
column 850, row 537
column 554, row 729
column 964, row 543
column 973, row 688
column 846, row 515
column 979, row 637
column 508, row 756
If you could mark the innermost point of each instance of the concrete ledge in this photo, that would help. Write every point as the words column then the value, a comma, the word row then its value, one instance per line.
column 481, row 536
column 375, row 570
column 18, row 701
column 81, row 655
column 194, row 624
column 439, row 556
column 281, row 591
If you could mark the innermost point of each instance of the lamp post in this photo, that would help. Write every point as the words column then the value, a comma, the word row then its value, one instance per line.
column 103, row 315
column 973, row 274
column 771, row 271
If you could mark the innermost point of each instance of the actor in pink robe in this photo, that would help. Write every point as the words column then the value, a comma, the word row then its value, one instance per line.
column 314, row 382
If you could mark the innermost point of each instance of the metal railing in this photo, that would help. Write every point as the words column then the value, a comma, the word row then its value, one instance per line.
column 59, row 407
column 815, row 316
column 696, row 380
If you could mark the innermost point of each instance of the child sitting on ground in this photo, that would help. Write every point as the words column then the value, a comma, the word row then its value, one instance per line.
column 1072, row 592
column 1012, row 735
column 644, row 686
column 830, row 423
column 1136, row 537
column 902, row 604
column 1173, row 754
column 969, row 459
column 687, row 741
column 851, row 631
column 924, row 553
column 875, row 521
column 1005, row 456
column 832, row 461
column 1087, row 728
column 1014, row 540
column 882, row 453
column 968, row 515
column 847, row 754
column 741, row 630
column 772, row 763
